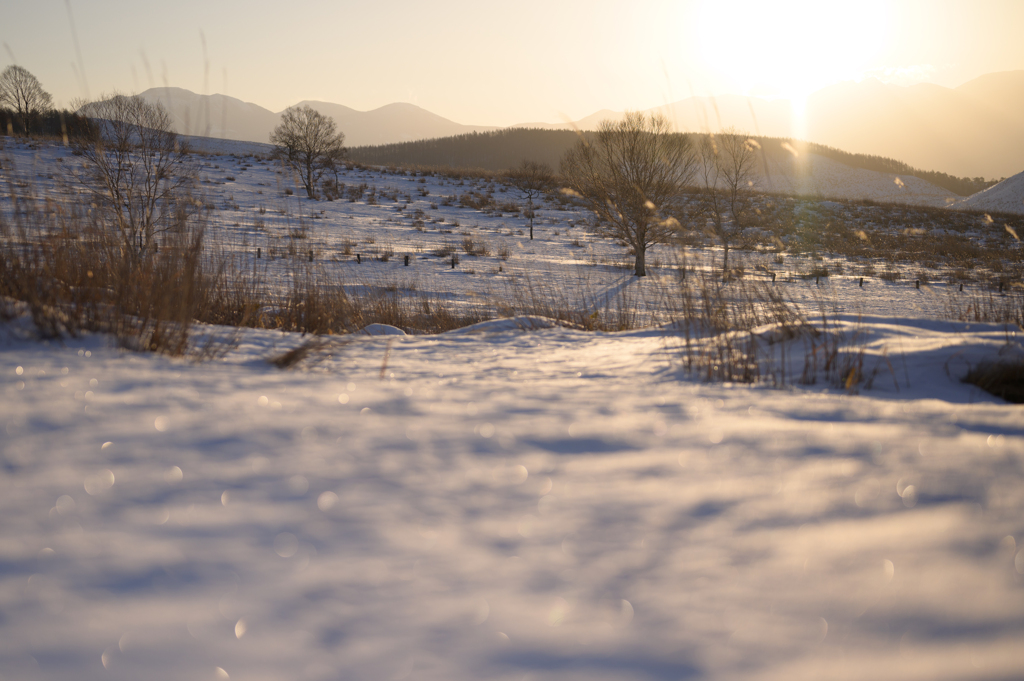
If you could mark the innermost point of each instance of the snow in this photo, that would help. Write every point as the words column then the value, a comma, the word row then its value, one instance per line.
column 513, row 500
column 809, row 174
column 216, row 145
column 380, row 330
column 548, row 502
column 1004, row 197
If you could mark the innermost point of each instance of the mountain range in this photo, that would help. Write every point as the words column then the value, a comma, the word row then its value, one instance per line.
column 973, row 130
column 229, row 118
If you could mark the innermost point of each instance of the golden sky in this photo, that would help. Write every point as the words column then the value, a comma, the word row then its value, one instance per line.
column 502, row 63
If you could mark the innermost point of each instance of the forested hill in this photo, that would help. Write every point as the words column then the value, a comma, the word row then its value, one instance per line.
column 503, row 149
column 496, row 151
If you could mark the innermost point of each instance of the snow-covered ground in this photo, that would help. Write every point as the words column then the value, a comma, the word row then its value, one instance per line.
column 544, row 504
column 514, row 501
column 1005, row 197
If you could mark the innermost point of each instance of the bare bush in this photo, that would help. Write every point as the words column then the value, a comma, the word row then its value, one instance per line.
column 727, row 169
column 136, row 169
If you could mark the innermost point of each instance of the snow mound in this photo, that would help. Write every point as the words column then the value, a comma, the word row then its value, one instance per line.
column 380, row 330
column 522, row 323
column 1005, row 197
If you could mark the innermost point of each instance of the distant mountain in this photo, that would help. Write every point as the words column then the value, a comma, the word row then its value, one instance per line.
column 392, row 123
column 974, row 130
column 229, row 118
column 214, row 115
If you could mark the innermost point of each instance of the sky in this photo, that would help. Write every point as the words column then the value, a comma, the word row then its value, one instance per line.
column 487, row 63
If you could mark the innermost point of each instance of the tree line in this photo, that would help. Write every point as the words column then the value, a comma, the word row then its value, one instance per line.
column 493, row 151
column 27, row 109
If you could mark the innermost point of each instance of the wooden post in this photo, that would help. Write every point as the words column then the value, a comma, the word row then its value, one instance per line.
column 861, row 284
column 259, row 253
column 917, row 284
column 359, row 258
column 406, row 260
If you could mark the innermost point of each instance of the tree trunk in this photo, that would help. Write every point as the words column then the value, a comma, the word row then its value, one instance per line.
column 641, row 267
column 530, row 208
column 725, row 260
column 307, row 180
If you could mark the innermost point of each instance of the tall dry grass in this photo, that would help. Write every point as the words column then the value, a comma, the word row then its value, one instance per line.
column 74, row 273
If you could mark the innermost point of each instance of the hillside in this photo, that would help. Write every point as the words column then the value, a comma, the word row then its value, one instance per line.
column 815, row 170
column 494, row 151
column 1005, row 197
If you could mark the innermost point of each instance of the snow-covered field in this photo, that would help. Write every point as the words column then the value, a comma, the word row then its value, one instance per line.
column 512, row 501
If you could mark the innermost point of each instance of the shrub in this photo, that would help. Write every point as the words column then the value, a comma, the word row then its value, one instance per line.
column 504, row 250
column 445, row 250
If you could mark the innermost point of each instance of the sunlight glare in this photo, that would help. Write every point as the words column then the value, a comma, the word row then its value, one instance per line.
column 789, row 49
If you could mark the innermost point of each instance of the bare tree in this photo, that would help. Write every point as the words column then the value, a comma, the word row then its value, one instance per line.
column 727, row 170
column 531, row 179
column 21, row 92
column 136, row 168
column 631, row 176
column 310, row 143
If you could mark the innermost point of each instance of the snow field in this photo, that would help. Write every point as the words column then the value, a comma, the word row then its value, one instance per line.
column 515, row 500
column 549, row 502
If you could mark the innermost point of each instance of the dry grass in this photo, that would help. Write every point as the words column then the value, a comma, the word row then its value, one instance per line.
column 986, row 306
column 76, row 274
column 1002, row 379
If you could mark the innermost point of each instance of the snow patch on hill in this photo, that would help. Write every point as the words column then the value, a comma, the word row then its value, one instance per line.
column 818, row 176
column 1005, row 197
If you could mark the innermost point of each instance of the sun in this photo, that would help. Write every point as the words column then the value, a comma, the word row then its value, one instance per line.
column 789, row 49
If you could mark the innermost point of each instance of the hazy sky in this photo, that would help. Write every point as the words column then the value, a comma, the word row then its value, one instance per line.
column 490, row 63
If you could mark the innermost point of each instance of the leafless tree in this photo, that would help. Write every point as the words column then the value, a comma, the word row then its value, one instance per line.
column 531, row 179
column 727, row 166
column 136, row 168
column 631, row 176
column 310, row 143
column 21, row 92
